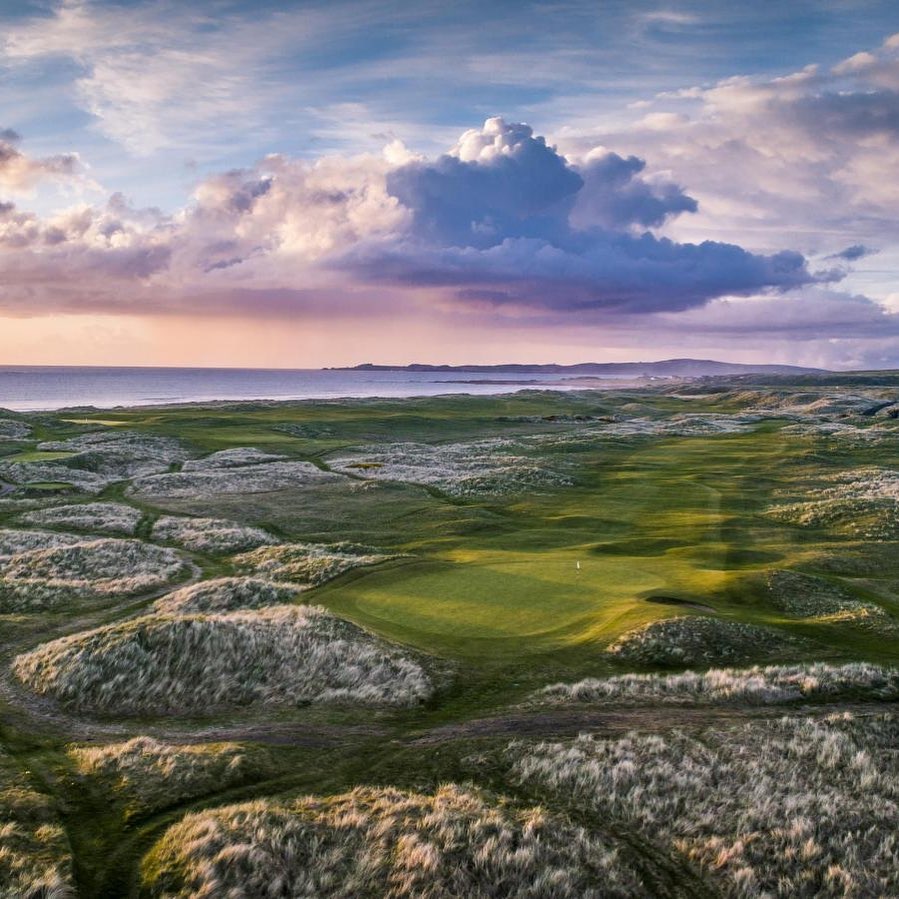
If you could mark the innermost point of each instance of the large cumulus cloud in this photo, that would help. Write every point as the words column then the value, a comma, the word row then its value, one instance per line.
column 505, row 212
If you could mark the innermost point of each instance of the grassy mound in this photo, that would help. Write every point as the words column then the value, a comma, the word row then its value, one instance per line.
column 98, row 518
column 209, row 535
column 861, row 503
column 236, row 457
column 181, row 665
column 791, row 808
column 13, row 542
column 255, row 478
column 226, row 594
column 805, row 596
column 35, row 856
column 385, row 842
column 494, row 466
column 146, row 774
column 11, row 429
column 696, row 640
column 767, row 686
column 306, row 563
column 44, row 578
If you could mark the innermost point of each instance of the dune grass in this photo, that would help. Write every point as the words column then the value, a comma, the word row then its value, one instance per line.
column 768, row 685
column 35, row 855
column 196, row 664
column 789, row 808
column 226, row 594
column 145, row 774
column 386, row 842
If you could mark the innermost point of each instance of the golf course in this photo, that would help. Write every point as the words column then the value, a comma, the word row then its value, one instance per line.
column 427, row 614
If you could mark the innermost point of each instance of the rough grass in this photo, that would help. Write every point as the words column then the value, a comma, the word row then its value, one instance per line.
column 306, row 563
column 773, row 684
column 35, row 856
column 11, row 429
column 98, row 518
column 255, row 478
column 385, row 842
column 216, row 536
column 805, row 596
column 861, row 502
column 13, row 542
column 146, row 774
column 192, row 664
column 696, row 640
column 236, row 457
column 492, row 466
column 792, row 808
column 44, row 578
column 226, row 594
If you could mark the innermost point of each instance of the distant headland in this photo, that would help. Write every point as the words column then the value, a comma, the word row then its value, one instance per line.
column 666, row 368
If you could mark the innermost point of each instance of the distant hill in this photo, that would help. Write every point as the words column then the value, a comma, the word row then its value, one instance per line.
column 667, row 368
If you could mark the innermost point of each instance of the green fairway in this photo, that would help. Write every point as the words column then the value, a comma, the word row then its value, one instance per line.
column 672, row 519
column 38, row 456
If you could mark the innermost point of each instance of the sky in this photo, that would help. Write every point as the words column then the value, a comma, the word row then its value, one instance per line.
column 305, row 184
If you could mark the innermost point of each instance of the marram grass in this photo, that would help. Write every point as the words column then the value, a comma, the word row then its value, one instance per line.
column 797, row 808
column 194, row 664
column 385, row 842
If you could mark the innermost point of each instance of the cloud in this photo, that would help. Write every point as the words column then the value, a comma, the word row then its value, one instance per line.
column 19, row 172
column 815, row 314
column 504, row 210
column 852, row 253
column 500, row 221
column 806, row 156
column 153, row 74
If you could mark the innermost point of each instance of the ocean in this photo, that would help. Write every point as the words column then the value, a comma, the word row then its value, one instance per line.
column 39, row 388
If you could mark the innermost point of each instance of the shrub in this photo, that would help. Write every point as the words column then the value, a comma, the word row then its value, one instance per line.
column 385, row 842
column 189, row 664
